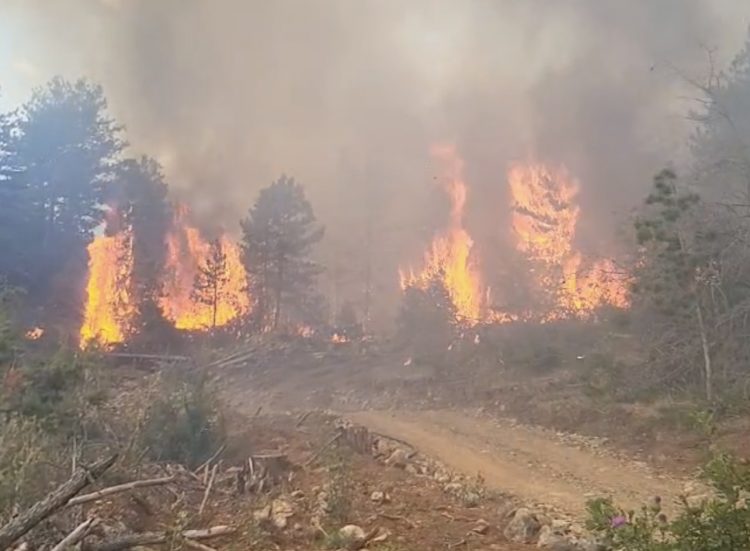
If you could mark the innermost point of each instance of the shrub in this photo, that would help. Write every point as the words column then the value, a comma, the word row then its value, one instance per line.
column 24, row 450
column 184, row 423
column 720, row 523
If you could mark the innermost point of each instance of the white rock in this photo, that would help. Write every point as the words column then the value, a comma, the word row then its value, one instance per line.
column 353, row 536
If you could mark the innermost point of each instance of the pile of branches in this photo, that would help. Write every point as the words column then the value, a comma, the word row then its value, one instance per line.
column 91, row 525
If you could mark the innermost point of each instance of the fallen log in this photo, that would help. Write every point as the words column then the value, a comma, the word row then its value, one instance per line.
column 153, row 538
column 76, row 535
column 210, row 485
column 55, row 500
column 104, row 492
column 136, row 356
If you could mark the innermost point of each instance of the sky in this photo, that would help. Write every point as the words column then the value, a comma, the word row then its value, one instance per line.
column 350, row 96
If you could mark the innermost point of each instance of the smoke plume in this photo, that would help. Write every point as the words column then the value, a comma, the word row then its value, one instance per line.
column 348, row 98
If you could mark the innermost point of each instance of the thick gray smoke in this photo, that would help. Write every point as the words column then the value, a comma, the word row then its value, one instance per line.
column 348, row 97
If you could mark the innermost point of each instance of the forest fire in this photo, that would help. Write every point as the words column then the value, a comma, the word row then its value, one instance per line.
column 108, row 309
column 187, row 251
column 451, row 257
column 544, row 218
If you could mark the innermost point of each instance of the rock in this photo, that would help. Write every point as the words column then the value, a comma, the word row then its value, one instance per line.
column 262, row 515
column 523, row 527
column 379, row 497
column 453, row 488
column 382, row 448
column 353, row 536
column 550, row 539
column 470, row 499
column 281, row 510
column 412, row 469
column 560, row 525
column 442, row 477
column 481, row 527
column 298, row 494
column 398, row 458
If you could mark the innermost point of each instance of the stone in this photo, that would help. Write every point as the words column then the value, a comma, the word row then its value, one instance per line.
column 398, row 458
column 453, row 488
column 524, row 527
column 379, row 497
column 481, row 526
column 262, row 514
column 353, row 536
column 555, row 541
column 281, row 510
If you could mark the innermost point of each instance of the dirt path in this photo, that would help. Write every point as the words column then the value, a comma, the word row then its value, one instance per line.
column 530, row 463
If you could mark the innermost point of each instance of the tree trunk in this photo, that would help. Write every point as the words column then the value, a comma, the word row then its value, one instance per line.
column 279, row 285
column 215, row 305
column 707, row 370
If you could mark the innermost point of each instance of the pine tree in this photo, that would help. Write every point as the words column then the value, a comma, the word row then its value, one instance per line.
column 278, row 235
column 211, row 279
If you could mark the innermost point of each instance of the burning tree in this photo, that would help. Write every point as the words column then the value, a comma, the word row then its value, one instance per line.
column 278, row 235
column 210, row 283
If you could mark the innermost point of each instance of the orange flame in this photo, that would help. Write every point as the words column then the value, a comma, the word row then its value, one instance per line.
column 450, row 257
column 108, row 309
column 187, row 250
column 544, row 218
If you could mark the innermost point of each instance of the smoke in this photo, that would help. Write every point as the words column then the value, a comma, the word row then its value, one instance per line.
column 349, row 96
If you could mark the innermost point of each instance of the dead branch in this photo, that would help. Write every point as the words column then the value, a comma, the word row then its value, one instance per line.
column 104, row 492
column 324, row 447
column 152, row 538
column 208, row 489
column 397, row 518
column 208, row 461
column 57, row 499
column 76, row 535
column 161, row 357
column 198, row 546
column 302, row 419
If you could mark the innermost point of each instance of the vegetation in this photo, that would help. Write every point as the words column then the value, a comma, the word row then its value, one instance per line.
column 278, row 235
column 717, row 523
column 427, row 321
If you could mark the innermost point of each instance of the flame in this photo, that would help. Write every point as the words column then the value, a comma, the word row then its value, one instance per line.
column 450, row 257
column 337, row 338
column 187, row 250
column 108, row 307
column 544, row 218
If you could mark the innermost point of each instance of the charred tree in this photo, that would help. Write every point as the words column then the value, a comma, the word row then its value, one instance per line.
column 211, row 280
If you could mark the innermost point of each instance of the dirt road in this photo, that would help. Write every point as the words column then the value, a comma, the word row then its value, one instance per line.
column 534, row 464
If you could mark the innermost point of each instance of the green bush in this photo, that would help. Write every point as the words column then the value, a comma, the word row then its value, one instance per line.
column 719, row 523
column 184, row 423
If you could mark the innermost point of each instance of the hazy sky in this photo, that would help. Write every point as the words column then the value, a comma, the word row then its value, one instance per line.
column 349, row 95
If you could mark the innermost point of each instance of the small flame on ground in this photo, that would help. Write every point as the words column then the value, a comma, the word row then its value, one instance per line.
column 339, row 339
column 451, row 258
